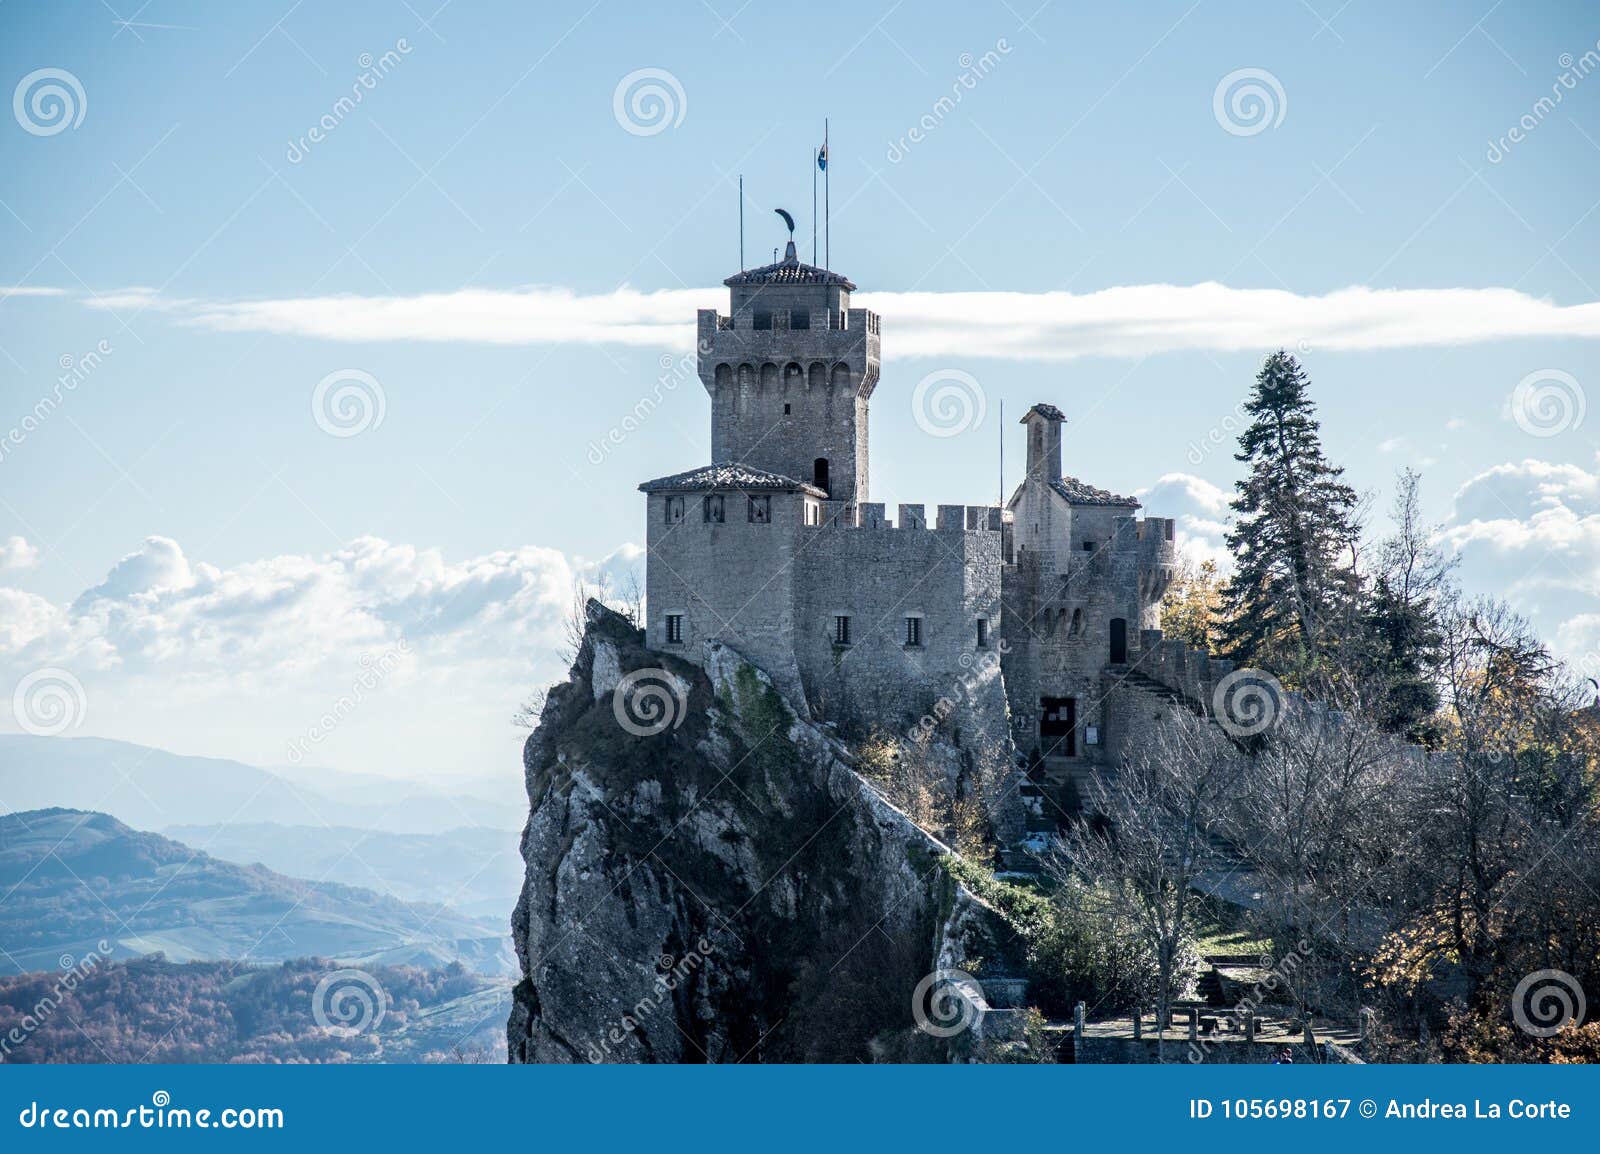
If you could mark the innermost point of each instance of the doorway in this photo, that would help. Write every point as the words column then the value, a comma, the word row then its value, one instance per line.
column 1058, row 726
column 1119, row 641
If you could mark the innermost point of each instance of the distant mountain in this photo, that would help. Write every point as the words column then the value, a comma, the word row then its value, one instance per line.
column 154, row 1010
column 477, row 871
column 71, row 879
column 151, row 789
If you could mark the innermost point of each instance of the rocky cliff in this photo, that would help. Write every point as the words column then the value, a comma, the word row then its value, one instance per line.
column 709, row 880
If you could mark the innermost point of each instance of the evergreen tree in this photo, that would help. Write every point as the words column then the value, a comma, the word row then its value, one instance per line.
column 1403, row 618
column 1292, row 594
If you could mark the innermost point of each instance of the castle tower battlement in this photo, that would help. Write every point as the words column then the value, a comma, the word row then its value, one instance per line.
column 790, row 370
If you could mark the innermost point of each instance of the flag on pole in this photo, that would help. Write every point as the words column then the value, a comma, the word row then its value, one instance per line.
column 822, row 158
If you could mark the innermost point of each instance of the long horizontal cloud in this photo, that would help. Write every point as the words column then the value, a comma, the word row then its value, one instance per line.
column 1131, row 321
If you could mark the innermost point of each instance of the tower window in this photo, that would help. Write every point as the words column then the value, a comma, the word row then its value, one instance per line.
column 913, row 631
column 714, row 509
column 983, row 632
column 762, row 321
column 787, row 408
column 760, row 510
column 841, row 630
column 800, row 319
column 819, row 474
column 675, row 628
column 1088, row 546
column 674, row 508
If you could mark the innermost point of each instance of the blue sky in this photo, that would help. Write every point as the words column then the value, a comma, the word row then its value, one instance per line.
column 484, row 238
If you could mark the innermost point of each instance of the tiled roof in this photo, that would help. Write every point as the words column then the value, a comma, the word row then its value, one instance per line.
column 1078, row 492
column 730, row 475
column 1048, row 412
column 789, row 272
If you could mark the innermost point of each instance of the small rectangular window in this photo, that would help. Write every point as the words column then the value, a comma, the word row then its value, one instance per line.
column 1088, row 546
column 763, row 321
column 913, row 631
column 714, row 509
column 983, row 632
column 674, row 507
column 760, row 510
column 675, row 628
column 786, row 409
column 841, row 630
column 800, row 319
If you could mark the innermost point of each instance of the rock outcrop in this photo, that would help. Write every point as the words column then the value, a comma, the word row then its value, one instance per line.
column 709, row 880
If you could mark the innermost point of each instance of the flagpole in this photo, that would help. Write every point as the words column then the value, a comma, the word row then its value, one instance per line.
column 813, row 206
column 741, row 222
column 827, row 210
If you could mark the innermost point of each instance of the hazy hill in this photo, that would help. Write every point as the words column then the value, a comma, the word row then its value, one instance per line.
column 477, row 871
column 154, row 1010
column 70, row 879
column 152, row 789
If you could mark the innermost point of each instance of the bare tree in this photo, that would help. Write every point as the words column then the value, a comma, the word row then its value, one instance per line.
column 1150, row 839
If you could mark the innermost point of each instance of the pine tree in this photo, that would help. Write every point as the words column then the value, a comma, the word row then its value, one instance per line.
column 1403, row 619
column 1292, row 593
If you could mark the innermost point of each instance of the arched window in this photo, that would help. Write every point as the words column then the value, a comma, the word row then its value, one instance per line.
column 819, row 474
column 1119, row 641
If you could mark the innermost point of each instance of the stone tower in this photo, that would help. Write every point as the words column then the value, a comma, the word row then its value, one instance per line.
column 790, row 372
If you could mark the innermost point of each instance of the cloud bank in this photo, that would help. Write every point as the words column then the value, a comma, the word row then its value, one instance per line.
column 1128, row 321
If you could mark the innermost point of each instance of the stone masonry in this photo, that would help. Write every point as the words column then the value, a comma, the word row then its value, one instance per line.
column 1004, row 628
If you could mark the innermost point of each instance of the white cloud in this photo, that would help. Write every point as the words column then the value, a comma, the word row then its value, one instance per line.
column 16, row 553
column 1201, row 510
column 22, row 290
column 240, row 661
column 1131, row 320
column 1530, row 531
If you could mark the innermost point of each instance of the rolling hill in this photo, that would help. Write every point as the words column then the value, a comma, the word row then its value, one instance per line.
column 71, row 879
column 151, row 789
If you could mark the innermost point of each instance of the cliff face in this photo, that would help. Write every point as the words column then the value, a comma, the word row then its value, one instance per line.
column 709, row 880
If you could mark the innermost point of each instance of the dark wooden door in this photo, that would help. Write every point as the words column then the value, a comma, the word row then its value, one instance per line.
column 1058, row 726
column 1119, row 641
